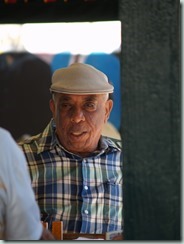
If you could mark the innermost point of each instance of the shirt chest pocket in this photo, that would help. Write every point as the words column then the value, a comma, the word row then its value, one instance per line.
column 113, row 193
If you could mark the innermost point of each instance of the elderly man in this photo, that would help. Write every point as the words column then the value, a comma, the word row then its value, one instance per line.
column 76, row 172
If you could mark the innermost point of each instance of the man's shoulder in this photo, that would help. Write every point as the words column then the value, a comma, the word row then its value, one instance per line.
column 38, row 143
column 30, row 143
column 113, row 142
column 117, row 142
column 29, row 140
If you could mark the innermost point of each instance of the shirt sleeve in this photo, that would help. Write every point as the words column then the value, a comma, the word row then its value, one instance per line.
column 22, row 218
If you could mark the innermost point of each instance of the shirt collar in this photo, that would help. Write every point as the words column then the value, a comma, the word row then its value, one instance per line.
column 47, row 140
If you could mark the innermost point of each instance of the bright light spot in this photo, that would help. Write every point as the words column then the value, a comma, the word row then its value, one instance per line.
column 76, row 38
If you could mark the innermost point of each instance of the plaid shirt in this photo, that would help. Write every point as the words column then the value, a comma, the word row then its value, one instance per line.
column 85, row 193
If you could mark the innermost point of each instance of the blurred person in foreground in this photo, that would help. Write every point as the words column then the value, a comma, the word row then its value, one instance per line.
column 19, row 212
column 76, row 172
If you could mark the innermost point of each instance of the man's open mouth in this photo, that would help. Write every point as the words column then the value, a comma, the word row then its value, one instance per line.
column 78, row 134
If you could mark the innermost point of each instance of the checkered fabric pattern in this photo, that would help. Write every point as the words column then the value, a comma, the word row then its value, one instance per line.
column 85, row 193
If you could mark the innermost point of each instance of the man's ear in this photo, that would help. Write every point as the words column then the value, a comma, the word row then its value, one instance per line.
column 52, row 107
column 108, row 109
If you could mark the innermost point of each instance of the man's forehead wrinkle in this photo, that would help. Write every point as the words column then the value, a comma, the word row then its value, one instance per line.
column 91, row 98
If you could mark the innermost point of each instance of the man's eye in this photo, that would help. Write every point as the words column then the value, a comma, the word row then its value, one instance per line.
column 66, row 105
column 90, row 106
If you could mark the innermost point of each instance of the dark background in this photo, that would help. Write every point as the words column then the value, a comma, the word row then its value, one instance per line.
column 151, row 97
column 58, row 11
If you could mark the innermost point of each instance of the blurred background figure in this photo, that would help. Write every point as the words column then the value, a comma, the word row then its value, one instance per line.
column 24, row 93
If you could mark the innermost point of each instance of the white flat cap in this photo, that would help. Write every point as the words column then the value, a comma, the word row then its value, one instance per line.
column 79, row 78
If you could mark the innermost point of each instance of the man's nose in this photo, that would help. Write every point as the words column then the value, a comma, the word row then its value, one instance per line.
column 77, row 115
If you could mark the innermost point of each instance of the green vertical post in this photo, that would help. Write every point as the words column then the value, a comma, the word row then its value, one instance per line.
column 151, row 118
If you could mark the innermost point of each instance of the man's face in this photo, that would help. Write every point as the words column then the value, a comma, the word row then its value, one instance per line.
column 79, row 120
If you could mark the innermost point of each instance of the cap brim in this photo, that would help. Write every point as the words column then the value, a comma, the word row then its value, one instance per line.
column 81, row 91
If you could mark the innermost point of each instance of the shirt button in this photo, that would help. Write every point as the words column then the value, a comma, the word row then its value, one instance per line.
column 86, row 187
column 86, row 211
